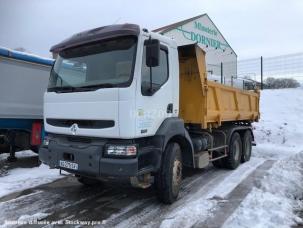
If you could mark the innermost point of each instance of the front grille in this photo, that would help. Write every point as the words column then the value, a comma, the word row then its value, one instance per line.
column 89, row 124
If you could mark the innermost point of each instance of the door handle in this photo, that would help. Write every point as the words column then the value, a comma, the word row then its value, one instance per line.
column 170, row 108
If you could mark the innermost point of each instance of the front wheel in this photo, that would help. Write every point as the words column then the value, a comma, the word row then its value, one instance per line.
column 168, row 179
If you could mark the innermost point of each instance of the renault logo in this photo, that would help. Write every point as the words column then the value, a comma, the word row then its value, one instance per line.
column 74, row 128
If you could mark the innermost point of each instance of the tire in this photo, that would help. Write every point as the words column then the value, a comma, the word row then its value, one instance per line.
column 233, row 159
column 168, row 179
column 247, row 146
column 88, row 181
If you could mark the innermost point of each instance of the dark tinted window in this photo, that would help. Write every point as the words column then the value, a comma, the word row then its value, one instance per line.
column 159, row 73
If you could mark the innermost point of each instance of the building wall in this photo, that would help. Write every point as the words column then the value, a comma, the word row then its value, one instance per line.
column 205, row 33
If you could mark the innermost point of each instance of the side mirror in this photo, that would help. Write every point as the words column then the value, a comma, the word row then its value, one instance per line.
column 152, row 52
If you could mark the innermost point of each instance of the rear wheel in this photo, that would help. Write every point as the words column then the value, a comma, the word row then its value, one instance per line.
column 234, row 154
column 168, row 179
column 247, row 146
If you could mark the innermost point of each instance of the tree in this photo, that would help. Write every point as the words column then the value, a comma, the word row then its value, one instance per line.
column 279, row 83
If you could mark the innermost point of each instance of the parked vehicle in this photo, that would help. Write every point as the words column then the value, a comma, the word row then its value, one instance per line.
column 126, row 102
column 24, row 80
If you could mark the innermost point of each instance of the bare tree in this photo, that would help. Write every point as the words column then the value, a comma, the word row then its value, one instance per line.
column 279, row 83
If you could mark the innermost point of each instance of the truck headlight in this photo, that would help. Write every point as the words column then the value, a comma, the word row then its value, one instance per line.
column 121, row 150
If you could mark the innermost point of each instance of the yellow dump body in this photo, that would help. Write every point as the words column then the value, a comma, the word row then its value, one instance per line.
column 209, row 103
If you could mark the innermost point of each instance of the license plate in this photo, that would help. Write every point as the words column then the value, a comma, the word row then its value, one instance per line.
column 68, row 165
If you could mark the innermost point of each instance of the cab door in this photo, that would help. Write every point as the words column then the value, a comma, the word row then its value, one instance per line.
column 154, row 93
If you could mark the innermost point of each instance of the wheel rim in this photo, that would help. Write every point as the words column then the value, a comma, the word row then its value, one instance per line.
column 236, row 150
column 177, row 175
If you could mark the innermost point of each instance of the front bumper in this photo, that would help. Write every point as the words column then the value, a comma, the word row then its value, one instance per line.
column 89, row 155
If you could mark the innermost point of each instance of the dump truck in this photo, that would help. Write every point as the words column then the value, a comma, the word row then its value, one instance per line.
column 24, row 79
column 124, row 102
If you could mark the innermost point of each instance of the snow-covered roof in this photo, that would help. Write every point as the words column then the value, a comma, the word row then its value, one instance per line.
column 6, row 52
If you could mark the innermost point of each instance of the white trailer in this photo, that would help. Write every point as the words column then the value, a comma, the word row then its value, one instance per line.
column 24, row 79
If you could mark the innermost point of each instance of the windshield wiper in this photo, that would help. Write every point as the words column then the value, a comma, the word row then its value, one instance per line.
column 96, row 86
column 61, row 89
column 68, row 89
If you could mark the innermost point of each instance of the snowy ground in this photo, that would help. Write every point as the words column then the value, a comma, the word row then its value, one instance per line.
column 264, row 192
column 279, row 135
column 12, row 180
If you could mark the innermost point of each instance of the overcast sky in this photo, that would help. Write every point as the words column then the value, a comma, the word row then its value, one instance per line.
column 252, row 27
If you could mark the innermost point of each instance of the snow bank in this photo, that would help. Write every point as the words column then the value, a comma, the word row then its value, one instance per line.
column 279, row 137
column 279, row 133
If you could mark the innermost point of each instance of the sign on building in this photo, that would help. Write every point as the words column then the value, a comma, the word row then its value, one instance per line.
column 202, row 30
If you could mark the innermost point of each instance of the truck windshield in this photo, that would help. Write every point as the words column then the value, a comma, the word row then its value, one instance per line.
column 104, row 64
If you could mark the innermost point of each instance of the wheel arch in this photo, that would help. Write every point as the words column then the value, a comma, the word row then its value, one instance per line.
column 242, row 133
column 173, row 130
column 186, row 149
column 231, row 129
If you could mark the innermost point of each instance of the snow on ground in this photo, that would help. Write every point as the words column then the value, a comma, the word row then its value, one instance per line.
column 23, row 178
column 27, row 218
column 198, row 208
column 21, row 154
column 275, row 202
column 279, row 137
column 279, row 133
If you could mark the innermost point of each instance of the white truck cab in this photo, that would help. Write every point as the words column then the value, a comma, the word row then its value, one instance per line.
column 104, row 90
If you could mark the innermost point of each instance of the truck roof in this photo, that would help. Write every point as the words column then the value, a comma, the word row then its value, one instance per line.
column 8, row 53
column 97, row 34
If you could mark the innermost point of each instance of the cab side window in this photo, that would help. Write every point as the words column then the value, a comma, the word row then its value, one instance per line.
column 159, row 73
